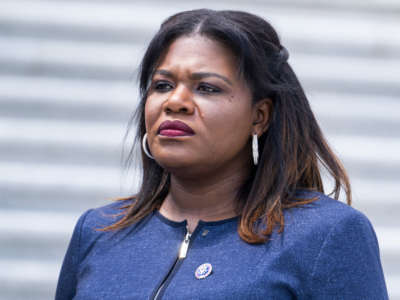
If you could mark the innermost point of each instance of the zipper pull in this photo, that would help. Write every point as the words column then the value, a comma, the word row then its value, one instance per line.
column 184, row 245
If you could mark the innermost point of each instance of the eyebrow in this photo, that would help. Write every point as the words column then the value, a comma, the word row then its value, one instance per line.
column 196, row 76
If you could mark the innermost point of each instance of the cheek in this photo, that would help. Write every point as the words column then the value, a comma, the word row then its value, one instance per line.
column 233, row 114
column 229, row 124
column 151, row 113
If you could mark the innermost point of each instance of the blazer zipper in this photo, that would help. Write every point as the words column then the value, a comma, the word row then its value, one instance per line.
column 181, row 256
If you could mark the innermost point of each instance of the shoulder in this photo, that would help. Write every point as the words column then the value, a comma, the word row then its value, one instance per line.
column 105, row 215
column 336, row 247
column 342, row 247
column 323, row 215
column 332, row 219
column 88, row 228
column 317, row 226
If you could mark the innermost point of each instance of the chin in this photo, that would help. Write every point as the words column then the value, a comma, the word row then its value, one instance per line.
column 171, row 162
column 187, row 168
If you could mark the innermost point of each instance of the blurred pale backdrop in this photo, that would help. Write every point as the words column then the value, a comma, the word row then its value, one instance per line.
column 67, row 89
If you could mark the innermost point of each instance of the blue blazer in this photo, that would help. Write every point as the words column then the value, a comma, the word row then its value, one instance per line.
column 328, row 250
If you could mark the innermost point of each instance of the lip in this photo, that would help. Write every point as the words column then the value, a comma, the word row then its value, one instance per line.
column 174, row 128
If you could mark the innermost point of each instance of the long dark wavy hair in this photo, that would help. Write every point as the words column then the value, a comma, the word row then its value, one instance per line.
column 292, row 151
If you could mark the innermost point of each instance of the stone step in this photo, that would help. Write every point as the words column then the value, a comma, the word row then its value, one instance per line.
column 115, row 95
column 73, row 133
column 27, row 109
column 70, row 53
column 55, row 198
column 53, row 154
column 12, row 289
column 40, row 246
column 25, row 279
column 373, row 6
column 309, row 22
column 376, row 6
column 374, row 149
column 65, row 176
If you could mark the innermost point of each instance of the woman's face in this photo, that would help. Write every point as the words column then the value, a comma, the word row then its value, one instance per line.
column 197, row 85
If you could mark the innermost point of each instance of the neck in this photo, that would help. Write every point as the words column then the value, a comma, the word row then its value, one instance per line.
column 210, row 198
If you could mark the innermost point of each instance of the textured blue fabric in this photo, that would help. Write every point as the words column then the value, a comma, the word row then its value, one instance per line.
column 328, row 250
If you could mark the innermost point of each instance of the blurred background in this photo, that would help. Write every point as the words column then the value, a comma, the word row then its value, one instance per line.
column 68, row 87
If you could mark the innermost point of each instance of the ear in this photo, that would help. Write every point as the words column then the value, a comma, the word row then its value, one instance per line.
column 262, row 111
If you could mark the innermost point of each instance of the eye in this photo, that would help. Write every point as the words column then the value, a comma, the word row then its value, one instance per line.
column 208, row 88
column 162, row 86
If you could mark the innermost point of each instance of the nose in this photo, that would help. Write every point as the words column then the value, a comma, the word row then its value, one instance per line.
column 180, row 101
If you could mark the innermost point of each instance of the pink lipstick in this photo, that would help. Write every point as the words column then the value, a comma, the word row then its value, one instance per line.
column 174, row 128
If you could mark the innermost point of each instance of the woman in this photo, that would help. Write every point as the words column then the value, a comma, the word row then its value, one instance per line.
column 231, row 204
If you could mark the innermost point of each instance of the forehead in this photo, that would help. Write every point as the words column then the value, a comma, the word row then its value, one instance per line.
column 199, row 53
